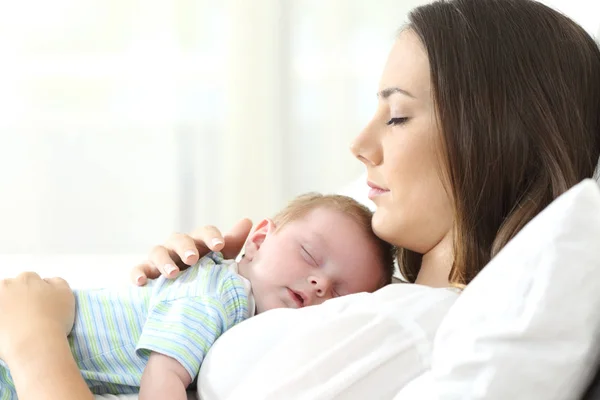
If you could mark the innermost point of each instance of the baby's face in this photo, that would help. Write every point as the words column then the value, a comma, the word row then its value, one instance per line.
column 322, row 255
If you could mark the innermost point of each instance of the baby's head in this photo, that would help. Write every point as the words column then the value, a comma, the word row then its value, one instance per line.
column 317, row 248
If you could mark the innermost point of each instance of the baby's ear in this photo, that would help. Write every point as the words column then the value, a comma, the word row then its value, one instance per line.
column 257, row 237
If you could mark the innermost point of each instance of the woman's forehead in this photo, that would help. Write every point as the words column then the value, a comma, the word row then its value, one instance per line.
column 407, row 67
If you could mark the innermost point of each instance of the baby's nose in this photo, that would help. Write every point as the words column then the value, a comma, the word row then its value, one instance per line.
column 321, row 286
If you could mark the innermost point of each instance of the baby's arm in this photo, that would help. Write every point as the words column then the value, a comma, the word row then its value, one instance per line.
column 182, row 324
column 164, row 378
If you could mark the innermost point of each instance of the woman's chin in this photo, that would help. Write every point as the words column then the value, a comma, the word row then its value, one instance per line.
column 384, row 226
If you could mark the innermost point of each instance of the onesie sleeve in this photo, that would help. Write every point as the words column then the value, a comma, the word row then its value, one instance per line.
column 184, row 329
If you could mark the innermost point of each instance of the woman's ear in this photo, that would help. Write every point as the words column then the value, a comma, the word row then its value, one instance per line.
column 257, row 237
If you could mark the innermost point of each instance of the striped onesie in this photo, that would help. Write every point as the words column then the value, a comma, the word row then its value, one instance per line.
column 116, row 329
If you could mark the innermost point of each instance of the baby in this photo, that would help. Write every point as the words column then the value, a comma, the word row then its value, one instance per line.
column 154, row 338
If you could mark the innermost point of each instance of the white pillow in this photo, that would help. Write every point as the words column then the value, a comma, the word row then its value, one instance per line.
column 356, row 347
column 527, row 327
column 420, row 388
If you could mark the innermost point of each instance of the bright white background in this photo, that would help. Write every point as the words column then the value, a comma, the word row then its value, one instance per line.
column 124, row 120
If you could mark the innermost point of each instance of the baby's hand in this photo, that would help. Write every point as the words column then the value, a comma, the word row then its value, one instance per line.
column 164, row 378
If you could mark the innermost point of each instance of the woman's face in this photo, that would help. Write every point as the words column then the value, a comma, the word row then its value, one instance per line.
column 400, row 148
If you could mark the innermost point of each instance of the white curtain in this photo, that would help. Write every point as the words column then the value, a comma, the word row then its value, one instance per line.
column 124, row 120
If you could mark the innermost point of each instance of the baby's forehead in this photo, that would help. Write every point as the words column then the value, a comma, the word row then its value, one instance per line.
column 336, row 228
column 329, row 222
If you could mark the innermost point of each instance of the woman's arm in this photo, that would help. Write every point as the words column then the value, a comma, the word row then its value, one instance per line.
column 36, row 316
column 181, row 250
column 45, row 370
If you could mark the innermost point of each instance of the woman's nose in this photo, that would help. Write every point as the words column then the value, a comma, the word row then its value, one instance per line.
column 366, row 147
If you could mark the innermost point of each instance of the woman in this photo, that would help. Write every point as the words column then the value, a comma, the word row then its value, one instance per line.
column 488, row 110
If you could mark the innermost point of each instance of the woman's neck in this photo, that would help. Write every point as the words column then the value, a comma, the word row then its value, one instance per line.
column 437, row 263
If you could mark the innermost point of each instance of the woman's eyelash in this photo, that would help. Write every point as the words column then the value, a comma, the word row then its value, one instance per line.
column 397, row 121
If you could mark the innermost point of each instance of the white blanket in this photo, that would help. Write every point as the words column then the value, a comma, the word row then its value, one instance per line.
column 356, row 347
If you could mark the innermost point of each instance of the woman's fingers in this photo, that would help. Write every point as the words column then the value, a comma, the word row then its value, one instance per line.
column 161, row 261
column 144, row 271
column 29, row 276
column 58, row 282
column 236, row 238
column 184, row 249
column 181, row 251
column 165, row 259
column 208, row 238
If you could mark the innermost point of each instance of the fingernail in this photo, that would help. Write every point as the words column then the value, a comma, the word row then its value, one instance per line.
column 217, row 242
column 140, row 279
column 170, row 269
column 189, row 253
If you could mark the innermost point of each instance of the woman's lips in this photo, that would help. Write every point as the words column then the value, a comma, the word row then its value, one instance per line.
column 376, row 190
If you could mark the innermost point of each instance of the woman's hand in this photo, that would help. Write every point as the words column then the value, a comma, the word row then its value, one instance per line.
column 181, row 251
column 36, row 315
column 32, row 308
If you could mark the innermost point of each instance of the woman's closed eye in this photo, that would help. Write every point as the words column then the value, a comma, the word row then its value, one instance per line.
column 397, row 121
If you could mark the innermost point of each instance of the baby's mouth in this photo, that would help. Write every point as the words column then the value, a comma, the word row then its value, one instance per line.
column 297, row 298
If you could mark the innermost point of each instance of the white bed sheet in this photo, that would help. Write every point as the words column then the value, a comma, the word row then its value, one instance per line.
column 81, row 271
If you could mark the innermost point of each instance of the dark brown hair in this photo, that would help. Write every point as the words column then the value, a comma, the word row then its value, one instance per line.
column 517, row 92
column 302, row 205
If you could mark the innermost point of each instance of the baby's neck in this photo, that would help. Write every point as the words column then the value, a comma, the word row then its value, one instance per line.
column 244, row 268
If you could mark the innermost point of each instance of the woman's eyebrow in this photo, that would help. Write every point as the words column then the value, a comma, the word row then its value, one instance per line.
column 387, row 92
